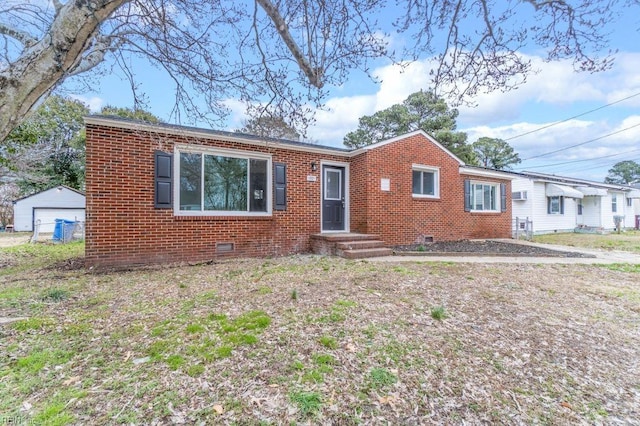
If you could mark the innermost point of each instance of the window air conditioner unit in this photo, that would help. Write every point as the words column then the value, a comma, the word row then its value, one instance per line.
column 519, row 195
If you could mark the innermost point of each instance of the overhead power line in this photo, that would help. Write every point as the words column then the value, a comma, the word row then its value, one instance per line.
column 582, row 143
column 571, row 118
column 578, row 161
column 579, row 167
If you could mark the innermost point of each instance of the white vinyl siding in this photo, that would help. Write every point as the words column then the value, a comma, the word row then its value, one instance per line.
column 523, row 209
column 61, row 202
column 608, row 213
column 544, row 222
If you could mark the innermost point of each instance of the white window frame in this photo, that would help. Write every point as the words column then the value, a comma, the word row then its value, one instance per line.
column 629, row 202
column 614, row 204
column 496, row 192
column 436, row 180
column 232, row 153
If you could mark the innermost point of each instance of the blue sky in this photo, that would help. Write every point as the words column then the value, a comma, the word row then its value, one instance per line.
column 554, row 94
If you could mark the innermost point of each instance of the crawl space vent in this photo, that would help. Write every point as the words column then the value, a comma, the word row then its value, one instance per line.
column 225, row 247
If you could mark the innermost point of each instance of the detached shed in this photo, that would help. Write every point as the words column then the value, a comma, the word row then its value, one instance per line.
column 60, row 202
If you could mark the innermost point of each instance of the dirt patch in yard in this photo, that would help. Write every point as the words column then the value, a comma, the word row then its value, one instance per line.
column 10, row 239
column 483, row 247
column 316, row 340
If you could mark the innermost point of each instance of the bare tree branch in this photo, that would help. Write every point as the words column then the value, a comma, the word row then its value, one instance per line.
column 101, row 46
column 57, row 6
column 282, row 54
column 314, row 75
column 22, row 36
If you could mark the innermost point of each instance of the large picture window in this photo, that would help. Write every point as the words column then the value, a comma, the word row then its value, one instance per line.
column 223, row 182
column 425, row 182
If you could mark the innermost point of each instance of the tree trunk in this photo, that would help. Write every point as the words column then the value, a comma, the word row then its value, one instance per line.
column 45, row 64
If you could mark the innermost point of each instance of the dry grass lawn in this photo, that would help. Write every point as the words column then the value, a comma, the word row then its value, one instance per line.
column 313, row 340
column 626, row 241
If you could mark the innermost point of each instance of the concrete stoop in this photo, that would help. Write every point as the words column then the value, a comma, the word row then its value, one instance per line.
column 583, row 229
column 349, row 245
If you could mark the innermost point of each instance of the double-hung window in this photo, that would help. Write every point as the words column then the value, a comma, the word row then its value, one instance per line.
column 425, row 181
column 555, row 205
column 223, row 182
column 614, row 204
column 484, row 196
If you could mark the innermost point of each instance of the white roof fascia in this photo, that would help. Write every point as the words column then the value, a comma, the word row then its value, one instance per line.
column 496, row 174
column 62, row 187
column 405, row 136
column 542, row 177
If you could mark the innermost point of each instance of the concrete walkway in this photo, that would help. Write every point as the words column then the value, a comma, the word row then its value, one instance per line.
column 601, row 256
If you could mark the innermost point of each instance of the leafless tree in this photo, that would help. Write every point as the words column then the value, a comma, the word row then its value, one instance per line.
column 269, row 126
column 8, row 194
column 280, row 54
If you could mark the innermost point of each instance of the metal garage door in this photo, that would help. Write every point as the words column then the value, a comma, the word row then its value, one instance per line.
column 47, row 217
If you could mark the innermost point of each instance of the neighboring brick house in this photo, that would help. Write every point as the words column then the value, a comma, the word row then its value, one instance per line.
column 163, row 193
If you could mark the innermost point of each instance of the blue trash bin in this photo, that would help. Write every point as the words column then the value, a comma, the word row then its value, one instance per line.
column 63, row 230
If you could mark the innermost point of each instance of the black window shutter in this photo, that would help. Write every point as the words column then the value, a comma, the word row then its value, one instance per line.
column 561, row 205
column 467, row 195
column 280, row 186
column 163, row 180
column 548, row 205
column 503, row 197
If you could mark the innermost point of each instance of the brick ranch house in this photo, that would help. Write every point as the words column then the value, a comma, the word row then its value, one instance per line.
column 163, row 193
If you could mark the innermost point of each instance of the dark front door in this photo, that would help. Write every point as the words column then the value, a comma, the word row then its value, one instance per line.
column 333, row 206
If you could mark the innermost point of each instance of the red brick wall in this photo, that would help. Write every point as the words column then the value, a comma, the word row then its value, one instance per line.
column 398, row 217
column 124, row 228
column 359, row 172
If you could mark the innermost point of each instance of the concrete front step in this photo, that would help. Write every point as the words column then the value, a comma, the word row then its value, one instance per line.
column 365, row 253
column 344, row 236
column 349, row 245
column 356, row 245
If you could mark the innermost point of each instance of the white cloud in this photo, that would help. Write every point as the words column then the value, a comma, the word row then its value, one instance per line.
column 557, row 86
column 237, row 116
column 589, row 136
column 94, row 103
column 341, row 114
column 398, row 82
